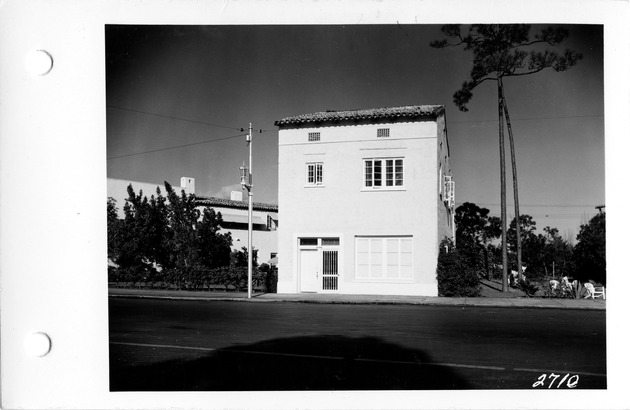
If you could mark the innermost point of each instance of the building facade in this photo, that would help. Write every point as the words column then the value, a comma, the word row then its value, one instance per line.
column 234, row 212
column 366, row 196
column 117, row 189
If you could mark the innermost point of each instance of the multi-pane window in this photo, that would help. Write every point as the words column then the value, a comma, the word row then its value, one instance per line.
column 319, row 241
column 315, row 173
column 382, row 132
column 314, row 136
column 384, row 258
column 383, row 172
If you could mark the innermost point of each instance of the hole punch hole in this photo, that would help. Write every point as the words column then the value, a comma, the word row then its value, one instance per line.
column 39, row 62
column 37, row 344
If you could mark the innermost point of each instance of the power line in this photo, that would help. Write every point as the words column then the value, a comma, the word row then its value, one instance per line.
column 175, row 118
column 528, row 119
column 177, row 146
column 534, row 205
column 185, row 119
column 552, row 216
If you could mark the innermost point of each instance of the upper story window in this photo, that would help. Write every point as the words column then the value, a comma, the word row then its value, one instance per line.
column 272, row 224
column 382, row 133
column 383, row 173
column 449, row 191
column 315, row 173
column 314, row 136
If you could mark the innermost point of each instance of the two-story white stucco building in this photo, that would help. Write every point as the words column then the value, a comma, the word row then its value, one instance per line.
column 366, row 198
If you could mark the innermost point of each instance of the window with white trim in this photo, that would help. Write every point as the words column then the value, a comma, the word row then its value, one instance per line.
column 383, row 173
column 384, row 258
column 315, row 173
column 314, row 136
column 382, row 133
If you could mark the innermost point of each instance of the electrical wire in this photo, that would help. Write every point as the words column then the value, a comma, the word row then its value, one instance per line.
column 528, row 119
column 536, row 205
column 175, row 118
column 178, row 119
column 177, row 146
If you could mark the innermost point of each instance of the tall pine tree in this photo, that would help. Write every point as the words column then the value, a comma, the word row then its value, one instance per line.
column 501, row 51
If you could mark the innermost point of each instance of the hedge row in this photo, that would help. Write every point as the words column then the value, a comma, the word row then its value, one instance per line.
column 197, row 278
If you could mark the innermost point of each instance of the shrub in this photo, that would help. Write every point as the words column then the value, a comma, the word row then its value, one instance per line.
column 199, row 277
column 455, row 277
column 271, row 281
column 113, row 274
column 567, row 290
column 577, row 290
column 130, row 274
column 528, row 287
column 267, row 278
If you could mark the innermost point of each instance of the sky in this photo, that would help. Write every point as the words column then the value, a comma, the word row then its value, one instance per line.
column 178, row 96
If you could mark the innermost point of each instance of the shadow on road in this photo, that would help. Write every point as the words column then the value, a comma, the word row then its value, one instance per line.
column 299, row 363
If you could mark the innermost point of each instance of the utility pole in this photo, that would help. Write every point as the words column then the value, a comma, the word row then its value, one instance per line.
column 246, row 182
column 249, row 217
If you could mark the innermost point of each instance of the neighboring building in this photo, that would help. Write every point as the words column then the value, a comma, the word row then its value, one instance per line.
column 366, row 197
column 233, row 212
column 264, row 223
column 117, row 189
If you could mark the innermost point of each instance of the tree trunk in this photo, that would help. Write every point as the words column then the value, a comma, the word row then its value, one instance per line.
column 486, row 262
column 519, row 268
column 504, row 286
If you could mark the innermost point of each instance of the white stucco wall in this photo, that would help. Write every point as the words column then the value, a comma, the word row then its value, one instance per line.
column 341, row 207
column 265, row 241
column 117, row 189
column 445, row 214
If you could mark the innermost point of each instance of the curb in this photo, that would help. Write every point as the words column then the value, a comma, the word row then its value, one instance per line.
column 465, row 302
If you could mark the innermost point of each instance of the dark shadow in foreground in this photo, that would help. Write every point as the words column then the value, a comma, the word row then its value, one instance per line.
column 300, row 363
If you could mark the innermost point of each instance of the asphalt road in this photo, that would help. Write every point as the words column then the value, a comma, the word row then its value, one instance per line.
column 170, row 345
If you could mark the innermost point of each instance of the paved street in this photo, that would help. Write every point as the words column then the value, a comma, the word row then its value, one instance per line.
column 221, row 345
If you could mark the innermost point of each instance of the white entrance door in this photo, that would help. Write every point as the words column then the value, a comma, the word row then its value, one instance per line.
column 309, row 267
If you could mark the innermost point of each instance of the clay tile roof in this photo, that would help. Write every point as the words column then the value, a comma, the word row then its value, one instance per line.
column 410, row 111
column 228, row 203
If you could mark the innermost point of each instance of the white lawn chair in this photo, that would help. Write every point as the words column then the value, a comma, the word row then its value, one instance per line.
column 599, row 291
column 590, row 291
column 595, row 292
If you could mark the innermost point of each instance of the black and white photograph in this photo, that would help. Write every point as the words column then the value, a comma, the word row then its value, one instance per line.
column 335, row 207
column 313, row 204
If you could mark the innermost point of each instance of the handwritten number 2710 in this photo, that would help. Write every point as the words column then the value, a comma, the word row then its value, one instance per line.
column 571, row 383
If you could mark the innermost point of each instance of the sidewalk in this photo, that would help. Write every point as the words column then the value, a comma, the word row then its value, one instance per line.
column 587, row 304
